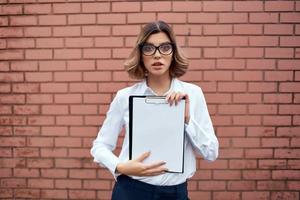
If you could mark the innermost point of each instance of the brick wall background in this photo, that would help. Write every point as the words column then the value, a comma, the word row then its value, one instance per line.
column 62, row 62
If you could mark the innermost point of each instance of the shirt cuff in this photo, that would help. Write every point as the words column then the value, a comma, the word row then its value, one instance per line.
column 112, row 167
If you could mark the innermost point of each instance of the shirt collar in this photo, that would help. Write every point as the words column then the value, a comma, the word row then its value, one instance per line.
column 146, row 90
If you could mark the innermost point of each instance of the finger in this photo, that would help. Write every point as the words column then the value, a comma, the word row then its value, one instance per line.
column 156, row 171
column 142, row 157
column 172, row 97
column 178, row 98
column 168, row 97
column 152, row 174
column 155, row 165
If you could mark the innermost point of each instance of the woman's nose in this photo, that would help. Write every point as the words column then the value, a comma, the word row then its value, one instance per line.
column 157, row 54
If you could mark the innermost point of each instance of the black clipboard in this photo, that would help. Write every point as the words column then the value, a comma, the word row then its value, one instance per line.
column 157, row 127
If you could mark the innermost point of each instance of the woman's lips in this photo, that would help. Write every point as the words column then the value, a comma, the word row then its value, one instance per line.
column 157, row 68
column 157, row 64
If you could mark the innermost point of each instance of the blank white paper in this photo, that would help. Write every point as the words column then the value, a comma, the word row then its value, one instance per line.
column 159, row 128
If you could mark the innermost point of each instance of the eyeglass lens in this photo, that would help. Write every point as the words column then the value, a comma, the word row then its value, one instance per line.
column 150, row 49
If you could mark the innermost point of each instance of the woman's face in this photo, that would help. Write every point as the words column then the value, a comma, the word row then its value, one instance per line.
column 159, row 63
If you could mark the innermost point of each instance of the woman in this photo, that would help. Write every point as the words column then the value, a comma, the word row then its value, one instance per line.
column 158, row 61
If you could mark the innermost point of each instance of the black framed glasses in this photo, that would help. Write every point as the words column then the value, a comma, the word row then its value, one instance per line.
column 149, row 49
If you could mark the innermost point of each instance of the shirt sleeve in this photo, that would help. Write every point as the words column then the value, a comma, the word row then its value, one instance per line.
column 199, row 129
column 107, row 137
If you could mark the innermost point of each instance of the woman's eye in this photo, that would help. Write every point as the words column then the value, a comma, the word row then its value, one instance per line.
column 166, row 47
column 148, row 48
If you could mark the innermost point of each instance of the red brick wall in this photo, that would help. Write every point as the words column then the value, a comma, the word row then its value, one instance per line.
column 62, row 64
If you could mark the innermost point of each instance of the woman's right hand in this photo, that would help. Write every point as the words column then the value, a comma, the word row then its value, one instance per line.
column 136, row 167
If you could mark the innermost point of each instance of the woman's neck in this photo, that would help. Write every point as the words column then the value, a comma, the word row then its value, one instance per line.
column 160, row 85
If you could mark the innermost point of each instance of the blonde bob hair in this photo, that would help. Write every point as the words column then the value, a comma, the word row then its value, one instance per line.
column 134, row 64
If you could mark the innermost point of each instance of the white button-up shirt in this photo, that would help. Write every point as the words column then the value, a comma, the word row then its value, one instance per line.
column 200, row 134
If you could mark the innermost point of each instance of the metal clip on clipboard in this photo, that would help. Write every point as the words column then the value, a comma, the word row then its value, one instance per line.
column 155, row 100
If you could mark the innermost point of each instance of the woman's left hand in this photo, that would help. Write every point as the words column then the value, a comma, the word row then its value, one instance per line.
column 175, row 97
